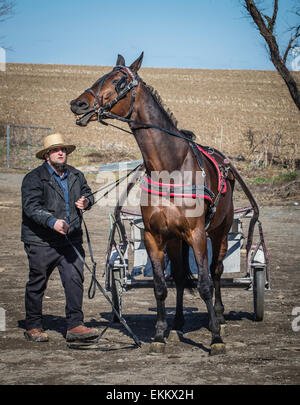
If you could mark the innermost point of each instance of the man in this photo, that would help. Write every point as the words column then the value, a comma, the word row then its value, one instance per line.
column 53, row 196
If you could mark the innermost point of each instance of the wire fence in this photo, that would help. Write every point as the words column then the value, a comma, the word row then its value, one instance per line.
column 19, row 144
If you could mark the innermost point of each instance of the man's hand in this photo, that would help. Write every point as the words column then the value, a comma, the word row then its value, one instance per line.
column 61, row 226
column 82, row 203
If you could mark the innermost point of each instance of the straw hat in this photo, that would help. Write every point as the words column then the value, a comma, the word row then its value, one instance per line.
column 54, row 141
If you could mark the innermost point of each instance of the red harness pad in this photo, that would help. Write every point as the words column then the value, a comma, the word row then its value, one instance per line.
column 175, row 190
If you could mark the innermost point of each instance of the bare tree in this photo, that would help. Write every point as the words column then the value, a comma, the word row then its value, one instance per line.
column 6, row 9
column 266, row 25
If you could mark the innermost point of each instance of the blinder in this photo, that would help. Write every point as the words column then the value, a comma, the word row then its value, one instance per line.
column 120, row 84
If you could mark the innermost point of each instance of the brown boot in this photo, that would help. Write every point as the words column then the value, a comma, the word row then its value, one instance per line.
column 36, row 335
column 81, row 332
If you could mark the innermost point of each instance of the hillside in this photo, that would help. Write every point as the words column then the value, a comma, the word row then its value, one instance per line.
column 220, row 106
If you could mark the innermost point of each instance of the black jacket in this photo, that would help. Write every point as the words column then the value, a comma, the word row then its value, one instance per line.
column 42, row 199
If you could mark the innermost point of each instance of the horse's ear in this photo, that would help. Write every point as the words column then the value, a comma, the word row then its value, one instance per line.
column 137, row 64
column 120, row 61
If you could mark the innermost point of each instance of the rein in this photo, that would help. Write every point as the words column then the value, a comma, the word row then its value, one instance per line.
column 114, row 184
column 95, row 283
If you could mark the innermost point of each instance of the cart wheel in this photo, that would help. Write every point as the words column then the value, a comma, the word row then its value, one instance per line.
column 258, row 292
column 116, row 299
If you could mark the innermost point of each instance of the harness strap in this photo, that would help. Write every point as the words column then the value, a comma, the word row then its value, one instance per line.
column 194, row 146
column 122, row 94
column 96, row 97
column 176, row 190
column 222, row 182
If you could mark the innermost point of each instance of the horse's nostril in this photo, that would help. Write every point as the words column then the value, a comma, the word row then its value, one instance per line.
column 82, row 104
column 78, row 106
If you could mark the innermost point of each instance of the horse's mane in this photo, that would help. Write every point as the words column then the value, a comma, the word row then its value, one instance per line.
column 159, row 100
column 187, row 133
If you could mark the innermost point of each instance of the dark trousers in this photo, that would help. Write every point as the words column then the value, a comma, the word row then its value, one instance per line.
column 42, row 261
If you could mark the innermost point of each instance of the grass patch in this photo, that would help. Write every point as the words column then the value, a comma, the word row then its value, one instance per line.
column 285, row 177
column 267, row 177
column 259, row 180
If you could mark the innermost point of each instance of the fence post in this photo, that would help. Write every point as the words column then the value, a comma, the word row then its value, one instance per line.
column 7, row 143
column 10, row 137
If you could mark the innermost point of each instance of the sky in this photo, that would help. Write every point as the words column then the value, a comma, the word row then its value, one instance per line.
column 198, row 34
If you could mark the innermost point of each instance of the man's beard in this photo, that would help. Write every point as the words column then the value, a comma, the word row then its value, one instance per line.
column 59, row 167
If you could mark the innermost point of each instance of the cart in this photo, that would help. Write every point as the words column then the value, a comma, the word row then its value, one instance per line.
column 128, row 266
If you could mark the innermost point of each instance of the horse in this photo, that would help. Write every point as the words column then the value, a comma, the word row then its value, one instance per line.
column 121, row 94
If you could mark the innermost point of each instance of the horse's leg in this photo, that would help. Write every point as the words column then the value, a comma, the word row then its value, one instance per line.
column 175, row 254
column 205, row 288
column 219, row 246
column 156, row 255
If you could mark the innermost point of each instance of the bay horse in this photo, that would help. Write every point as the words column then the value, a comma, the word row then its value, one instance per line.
column 122, row 94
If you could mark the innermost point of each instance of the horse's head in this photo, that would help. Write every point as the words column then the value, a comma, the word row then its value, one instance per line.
column 113, row 92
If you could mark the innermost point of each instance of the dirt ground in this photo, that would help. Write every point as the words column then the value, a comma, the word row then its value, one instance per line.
column 264, row 353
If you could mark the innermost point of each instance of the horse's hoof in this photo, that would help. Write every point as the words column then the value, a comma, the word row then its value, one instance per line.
column 217, row 348
column 175, row 336
column 157, row 347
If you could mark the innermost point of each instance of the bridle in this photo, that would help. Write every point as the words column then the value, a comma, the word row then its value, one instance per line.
column 122, row 87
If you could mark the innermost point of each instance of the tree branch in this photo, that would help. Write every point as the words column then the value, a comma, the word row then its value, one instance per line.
column 275, row 12
column 6, row 9
column 271, row 21
column 267, row 34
